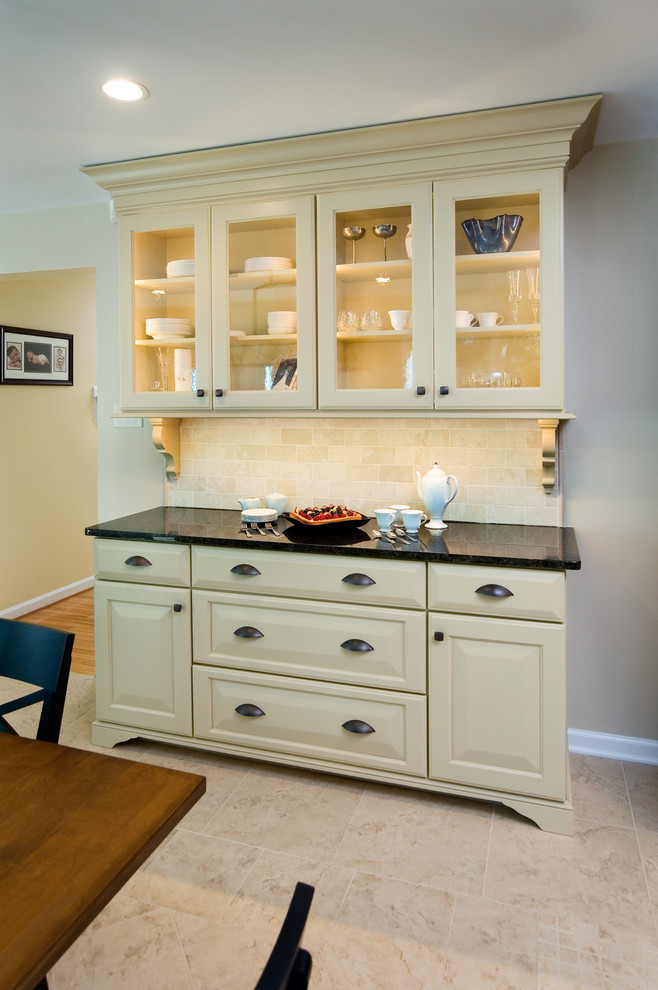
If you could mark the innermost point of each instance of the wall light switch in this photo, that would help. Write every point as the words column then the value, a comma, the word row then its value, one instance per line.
column 128, row 422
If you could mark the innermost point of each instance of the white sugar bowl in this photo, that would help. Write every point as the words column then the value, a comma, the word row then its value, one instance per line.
column 277, row 501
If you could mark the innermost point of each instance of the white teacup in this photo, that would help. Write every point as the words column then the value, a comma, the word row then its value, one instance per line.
column 412, row 519
column 463, row 318
column 398, row 510
column 250, row 502
column 385, row 518
column 400, row 318
column 490, row 319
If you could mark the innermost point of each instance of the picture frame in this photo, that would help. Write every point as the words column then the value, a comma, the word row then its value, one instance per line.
column 35, row 357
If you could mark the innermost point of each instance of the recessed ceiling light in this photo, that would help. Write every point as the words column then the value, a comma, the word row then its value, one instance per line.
column 124, row 89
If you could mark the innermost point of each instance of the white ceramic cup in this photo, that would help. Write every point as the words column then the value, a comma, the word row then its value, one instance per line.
column 398, row 510
column 412, row 519
column 385, row 518
column 399, row 318
column 250, row 502
column 463, row 318
column 490, row 319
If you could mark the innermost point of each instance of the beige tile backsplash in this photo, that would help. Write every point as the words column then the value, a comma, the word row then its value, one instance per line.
column 367, row 463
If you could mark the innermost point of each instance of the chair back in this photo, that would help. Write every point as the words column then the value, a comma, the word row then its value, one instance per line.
column 289, row 966
column 40, row 656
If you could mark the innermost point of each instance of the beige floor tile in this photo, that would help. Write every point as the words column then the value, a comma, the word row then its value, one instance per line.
column 594, row 876
column 403, row 927
column 492, row 946
column 434, row 840
column 599, row 791
column 194, row 873
column 302, row 813
column 648, row 842
column 642, row 783
column 336, row 971
column 138, row 952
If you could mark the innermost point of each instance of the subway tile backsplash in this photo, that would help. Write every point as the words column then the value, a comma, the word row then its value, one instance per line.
column 367, row 463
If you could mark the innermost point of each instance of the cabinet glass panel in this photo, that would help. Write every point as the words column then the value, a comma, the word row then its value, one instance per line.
column 374, row 303
column 164, row 310
column 262, row 305
column 497, row 292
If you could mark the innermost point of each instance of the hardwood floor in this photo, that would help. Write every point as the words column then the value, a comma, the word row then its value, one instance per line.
column 76, row 615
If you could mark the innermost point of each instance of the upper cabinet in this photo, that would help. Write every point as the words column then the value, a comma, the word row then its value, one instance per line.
column 414, row 266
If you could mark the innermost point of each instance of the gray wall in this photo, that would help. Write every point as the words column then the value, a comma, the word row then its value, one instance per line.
column 611, row 449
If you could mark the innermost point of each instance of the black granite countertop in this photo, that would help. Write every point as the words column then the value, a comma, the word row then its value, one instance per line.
column 502, row 545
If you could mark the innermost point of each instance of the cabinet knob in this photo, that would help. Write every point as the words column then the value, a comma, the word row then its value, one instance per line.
column 356, row 646
column 252, row 711
column 494, row 591
column 357, row 578
column 200, row 392
column 245, row 570
column 178, row 607
column 420, row 390
column 356, row 725
column 138, row 561
column 219, row 392
column 248, row 632
column 438, row 636
column 443, row 390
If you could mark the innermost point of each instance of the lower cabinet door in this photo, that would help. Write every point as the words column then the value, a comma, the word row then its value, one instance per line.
column 334, row 723
column 497, row 704
column 143, row 656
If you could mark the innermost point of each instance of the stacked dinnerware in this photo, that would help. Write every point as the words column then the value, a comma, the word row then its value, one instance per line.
column 267, row 264
column 178, row 269
column 168, row 329
column 282, row 321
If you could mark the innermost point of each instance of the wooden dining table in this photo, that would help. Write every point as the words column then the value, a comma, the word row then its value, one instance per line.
column 74, row 826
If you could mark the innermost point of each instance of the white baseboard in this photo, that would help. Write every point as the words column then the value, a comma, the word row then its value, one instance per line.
column 48, row 599
column 627, row 748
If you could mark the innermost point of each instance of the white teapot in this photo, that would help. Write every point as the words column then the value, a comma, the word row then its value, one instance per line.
column 434, row 490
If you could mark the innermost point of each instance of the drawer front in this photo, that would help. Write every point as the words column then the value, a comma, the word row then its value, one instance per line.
column 142, row 562
column 302, row 575
column 308, row 718
column 517, row 593
column 377, row 647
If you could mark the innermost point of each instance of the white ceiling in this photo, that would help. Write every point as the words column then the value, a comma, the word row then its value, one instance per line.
column 230, row 71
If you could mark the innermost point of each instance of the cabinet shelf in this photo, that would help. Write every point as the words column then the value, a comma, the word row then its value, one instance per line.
column 262, row 280
column 368, row 336
column 186, row 342
column 263, row 338
column 503, row 261
column 170, row 286
column 369, row 270
column 504, row 330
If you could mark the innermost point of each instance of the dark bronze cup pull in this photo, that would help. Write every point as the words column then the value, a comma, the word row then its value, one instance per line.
column 253, row 711
column 138, row 561
column 494, row 591
column 246, row 570
column 356, row 725
column 356, row 646
column 357, row 578
column 248, row 632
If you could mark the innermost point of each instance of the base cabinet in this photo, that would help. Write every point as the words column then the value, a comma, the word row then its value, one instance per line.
column 342, row 668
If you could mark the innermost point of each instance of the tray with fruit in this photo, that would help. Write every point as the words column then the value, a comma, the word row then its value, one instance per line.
column 326, row 515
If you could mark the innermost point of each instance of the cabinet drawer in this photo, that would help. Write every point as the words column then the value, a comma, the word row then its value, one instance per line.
column 142, row 562
column 378, row 647
column 300, row 575
column 308, row 718
column 516, row 593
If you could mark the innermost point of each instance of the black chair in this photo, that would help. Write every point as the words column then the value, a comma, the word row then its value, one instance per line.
column 40, row 656
column 289, row 966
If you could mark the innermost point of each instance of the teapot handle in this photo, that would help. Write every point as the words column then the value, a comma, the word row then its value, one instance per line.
column 450, row 478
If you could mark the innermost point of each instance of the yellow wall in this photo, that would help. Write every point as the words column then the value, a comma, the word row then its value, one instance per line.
column 48, row 486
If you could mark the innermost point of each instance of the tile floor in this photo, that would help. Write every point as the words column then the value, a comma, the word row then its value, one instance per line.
column 413, row 891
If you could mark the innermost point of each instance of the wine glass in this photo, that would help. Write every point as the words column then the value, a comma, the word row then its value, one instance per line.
column 353, row 234
column 384, row 230
column 532, row 274
column 514, row 285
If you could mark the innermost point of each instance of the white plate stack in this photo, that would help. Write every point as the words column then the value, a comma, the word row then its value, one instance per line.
column 181, row 269
column 282, row 321
column 168, row 329
column 267, row 264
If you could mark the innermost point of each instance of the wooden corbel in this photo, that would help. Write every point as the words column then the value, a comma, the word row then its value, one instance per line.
column 166, row 439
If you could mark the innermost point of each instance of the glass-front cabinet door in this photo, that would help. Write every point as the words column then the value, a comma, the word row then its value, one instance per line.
column 498, row 292
column 165, row 311
column 264, row 305
column 375, row 298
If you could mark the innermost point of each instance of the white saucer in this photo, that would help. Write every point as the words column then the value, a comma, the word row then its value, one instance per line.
column 259, row 515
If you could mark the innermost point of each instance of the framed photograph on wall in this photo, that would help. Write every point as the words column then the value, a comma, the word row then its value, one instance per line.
column 35, row 357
